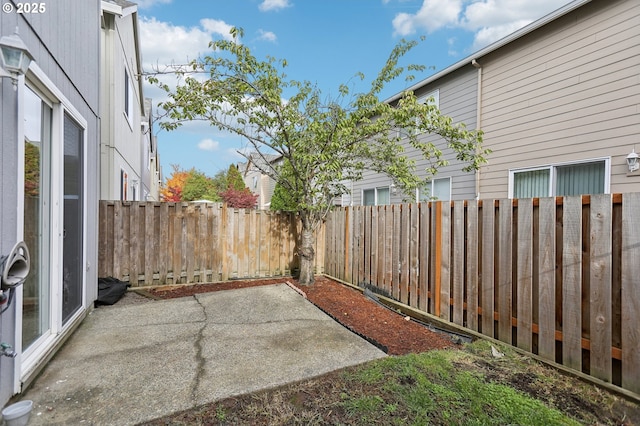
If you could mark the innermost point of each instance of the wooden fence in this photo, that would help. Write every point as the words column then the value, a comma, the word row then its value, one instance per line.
column 147, row 243
column 557, row 277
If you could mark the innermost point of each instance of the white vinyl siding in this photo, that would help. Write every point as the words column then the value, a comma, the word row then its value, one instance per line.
column 567, row 179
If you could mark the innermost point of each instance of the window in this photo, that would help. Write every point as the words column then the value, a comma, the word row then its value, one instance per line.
column 431, row 98
column 436, row 190
column 124, row 183
column 590, row 177
column 375, row 196
column 128, row 97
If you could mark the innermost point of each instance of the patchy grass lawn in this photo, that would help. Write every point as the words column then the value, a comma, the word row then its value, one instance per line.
column 441, row 387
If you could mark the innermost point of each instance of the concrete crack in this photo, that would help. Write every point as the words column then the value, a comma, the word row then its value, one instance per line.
column 200, row 361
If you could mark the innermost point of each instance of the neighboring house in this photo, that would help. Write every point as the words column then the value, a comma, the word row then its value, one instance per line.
column 558, row 102
column 127, row 147
column 49, row 125
column 151, row 173
column 455, row 94
column 258, row 182
column 561, row 103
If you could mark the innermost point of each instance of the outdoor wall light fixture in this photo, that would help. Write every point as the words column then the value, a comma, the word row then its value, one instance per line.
column 15, row 57
column 633, row 161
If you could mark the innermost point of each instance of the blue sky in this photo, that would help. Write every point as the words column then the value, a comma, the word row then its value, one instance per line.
column 324, row 41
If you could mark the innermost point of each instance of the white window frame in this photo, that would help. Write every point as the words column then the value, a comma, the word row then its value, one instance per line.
column 124, row 184
column 128, row 97
column 44, row 87
column 552, row 173
column 435, row 94
column 433, row 97
column 375, row 195
column 431, row 183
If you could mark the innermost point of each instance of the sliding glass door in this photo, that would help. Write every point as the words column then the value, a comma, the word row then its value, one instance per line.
column 72, row 265
column 36, row 315
column 53, row 220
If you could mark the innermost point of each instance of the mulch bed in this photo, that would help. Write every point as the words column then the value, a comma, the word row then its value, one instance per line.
column 390, row 331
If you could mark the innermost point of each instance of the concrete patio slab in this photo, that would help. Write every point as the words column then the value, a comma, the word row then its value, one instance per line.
column 132, row 363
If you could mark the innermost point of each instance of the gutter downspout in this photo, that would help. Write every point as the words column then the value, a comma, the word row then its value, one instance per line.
column 478, row 117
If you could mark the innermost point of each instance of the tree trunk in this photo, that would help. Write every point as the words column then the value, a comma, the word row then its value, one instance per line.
column 307, row 254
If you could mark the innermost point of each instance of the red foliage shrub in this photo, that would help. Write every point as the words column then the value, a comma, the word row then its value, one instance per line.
column 239, row 199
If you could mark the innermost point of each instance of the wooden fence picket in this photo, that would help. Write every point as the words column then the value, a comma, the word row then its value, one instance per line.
column 546, row 280
column 505, row 263
column 458, row 264
column 600, row 287
column 630, row 289
column 487, row 285
column 472, row 264
column 572, row 283
column 524, row 293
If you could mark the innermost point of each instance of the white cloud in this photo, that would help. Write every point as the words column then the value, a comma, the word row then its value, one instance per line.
column 208, row 145
column 216, row 26
column 488, row 35
column 433, row 15
column 451, row 42
column 489, row 19
column 268, row 5
column 163, row 43
column 267, row 36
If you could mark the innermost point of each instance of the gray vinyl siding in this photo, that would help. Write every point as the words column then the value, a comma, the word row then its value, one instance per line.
column 64, row 42
column 566, row 92
column 458, row 99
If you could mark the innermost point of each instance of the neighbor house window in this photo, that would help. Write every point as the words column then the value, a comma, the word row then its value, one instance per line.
column 128, row 97
column 124, row 183
column 589, row 177
column 375, row 196
column 431, row 98
column 436, row 190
